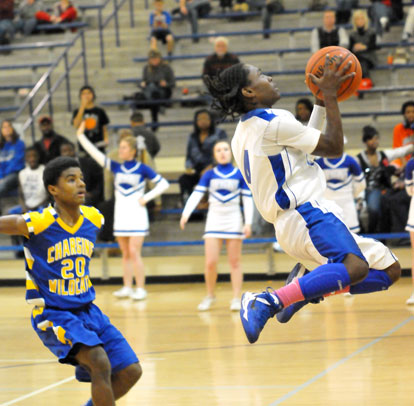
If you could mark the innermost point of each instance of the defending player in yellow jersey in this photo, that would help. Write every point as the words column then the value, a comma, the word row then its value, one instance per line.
column 59, row 243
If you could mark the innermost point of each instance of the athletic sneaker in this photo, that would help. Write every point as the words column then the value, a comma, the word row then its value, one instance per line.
column 257, row 309
column 123, row 293
column 235, row 305
column 410, row 300
column 206, row 303
column 139, row 294
column 287, row 313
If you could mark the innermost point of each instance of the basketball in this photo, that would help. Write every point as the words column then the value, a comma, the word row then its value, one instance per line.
column 316, row 65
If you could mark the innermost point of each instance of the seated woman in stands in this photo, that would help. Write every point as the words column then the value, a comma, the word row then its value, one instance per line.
column 363, row 43
column 199, row 156
column 63, row 12
column 11, row 158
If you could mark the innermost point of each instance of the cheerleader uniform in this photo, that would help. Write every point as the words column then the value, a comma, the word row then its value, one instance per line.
column 409, row 187
column 225, row 185
column 344, row 182
column 130, row 218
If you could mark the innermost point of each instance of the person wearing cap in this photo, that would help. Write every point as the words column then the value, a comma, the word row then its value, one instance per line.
column 158, row 82
column 221, row 58
column 95, row 117
column 48, row 146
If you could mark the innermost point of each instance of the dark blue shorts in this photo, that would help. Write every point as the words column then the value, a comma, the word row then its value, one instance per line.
column 62, row 331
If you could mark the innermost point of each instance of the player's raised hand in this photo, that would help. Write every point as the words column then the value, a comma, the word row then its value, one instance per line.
column 81, row 128
column 332, row 77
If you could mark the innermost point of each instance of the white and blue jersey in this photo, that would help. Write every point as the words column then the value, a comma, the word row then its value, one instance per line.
column 272, row 150
column 344, row 182
column 274, row 153
column 409, row 187
column 130, row 217
column 225, row 186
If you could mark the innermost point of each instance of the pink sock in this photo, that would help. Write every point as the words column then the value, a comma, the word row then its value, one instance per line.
column 290, row 294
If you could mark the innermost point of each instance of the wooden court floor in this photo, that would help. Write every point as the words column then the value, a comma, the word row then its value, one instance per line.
column 344, row 351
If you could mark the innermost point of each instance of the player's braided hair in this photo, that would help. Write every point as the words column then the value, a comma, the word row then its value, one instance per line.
column 226, row 90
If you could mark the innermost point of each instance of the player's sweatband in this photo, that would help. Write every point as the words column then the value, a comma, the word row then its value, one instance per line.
column 317, row 118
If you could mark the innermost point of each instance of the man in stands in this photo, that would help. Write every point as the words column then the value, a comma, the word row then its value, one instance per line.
column 221, row 59
column 48, row 146
column 6, row 21
column 329, row 34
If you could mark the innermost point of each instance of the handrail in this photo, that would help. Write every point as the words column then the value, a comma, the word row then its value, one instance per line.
column 102, row 24
column 46, row 78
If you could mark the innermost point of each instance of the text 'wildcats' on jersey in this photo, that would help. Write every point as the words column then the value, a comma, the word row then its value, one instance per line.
column 58, row 256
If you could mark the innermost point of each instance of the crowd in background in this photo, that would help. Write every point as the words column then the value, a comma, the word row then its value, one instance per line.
column 381, row 207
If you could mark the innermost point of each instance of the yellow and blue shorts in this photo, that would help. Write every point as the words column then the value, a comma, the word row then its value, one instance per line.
column 64, row 331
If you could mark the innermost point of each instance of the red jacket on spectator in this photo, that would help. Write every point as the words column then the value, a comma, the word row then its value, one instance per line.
column 63, row 15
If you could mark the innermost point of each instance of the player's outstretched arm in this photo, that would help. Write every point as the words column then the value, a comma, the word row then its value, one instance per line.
column 14, row 225
column 331, row 143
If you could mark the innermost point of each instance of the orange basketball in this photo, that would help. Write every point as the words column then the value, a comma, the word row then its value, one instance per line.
column 316, row 65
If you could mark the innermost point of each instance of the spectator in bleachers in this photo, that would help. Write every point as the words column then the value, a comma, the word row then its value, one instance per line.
column 95, row 117
column 192, row 9
column 343, row 10
column 199, row 155
column 160, row 21
column 303, row 110
column 270, row 7
column 92, row 174
column 48, row 147
column 145, row 137
column 158, row 82
column 329, row 34
column 11, row 158
column 363, row 42
column 6, row 21
column 408, row 30
column 404, row 132
column 26, row 16
column 383, row 12
column 345, row 182
column 33, row 194
column 63, row 12
column 221, row 58
column 378, row 171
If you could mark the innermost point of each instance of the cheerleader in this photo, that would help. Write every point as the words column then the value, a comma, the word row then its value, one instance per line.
column 225, row 184
column 131, row 223
column 345, row 182
column 409, row 187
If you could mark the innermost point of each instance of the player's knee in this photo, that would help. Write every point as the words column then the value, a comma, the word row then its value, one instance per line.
column 357, row 268
column 134, row 373
column 99, row 363
column 394, row 271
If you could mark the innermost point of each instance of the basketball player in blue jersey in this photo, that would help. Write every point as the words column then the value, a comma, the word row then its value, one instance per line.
column 59, row 242
column 275, row 155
